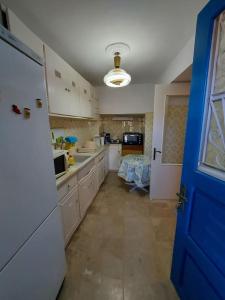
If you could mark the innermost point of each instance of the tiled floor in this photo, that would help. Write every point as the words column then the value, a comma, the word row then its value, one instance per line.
column 122, row 250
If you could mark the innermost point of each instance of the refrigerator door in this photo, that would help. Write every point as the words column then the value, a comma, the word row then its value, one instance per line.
column 36, row 272
column 27, row 180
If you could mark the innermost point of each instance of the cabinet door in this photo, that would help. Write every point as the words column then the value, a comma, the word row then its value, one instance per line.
column 70, row 213
column 37, row 270
column 95, row 108
column 76, row 93
column 94, row 182
column 59, row 84
column 71, row 89
column 114, row 157
column 87, row 191
column 24, row 34
column 106, row 161
column 101, row 171
column 84, row 194
column 85, row 98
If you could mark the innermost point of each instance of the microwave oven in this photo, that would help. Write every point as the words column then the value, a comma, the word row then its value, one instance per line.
column 60, row 162
column 132, row 138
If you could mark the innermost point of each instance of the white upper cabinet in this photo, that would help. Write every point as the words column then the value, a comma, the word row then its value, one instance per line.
column 59, row 84
column 85, row 98
column 94, row 103
column 24, row 34
column 75, row 81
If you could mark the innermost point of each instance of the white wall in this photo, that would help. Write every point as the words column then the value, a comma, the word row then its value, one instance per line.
column 181, row 62
column 133, row 99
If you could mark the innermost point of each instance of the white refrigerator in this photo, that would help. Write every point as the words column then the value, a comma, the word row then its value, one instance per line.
column 32, row 258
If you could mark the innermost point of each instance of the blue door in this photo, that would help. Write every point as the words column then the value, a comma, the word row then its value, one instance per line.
column 198, row 269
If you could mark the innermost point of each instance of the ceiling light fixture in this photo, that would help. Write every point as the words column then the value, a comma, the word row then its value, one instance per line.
column 117, row 77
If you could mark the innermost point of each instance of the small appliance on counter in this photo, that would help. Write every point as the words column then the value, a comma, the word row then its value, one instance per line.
column 97, row 140
column 115, row 141
column 132, row 138
column 60, row 162
column 107, row 138
column 102, row 140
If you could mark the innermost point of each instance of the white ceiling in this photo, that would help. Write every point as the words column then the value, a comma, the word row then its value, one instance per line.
column 79, row 30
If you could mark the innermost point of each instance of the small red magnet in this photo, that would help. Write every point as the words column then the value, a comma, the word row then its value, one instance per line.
column 16, row 109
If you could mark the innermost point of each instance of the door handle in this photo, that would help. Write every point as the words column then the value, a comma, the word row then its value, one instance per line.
column 181, row 197
column 154, row 153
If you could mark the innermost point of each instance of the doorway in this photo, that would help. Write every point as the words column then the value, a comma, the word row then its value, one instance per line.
column 169, row 127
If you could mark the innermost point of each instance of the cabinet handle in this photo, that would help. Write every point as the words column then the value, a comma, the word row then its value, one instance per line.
column 66, row 89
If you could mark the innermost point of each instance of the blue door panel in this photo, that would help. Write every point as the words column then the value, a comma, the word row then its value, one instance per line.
column 195, row 285
column 198, row 268
column 207, row 227
column 213, row 275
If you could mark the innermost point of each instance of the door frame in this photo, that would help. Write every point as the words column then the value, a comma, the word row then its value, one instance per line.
column 170, row 187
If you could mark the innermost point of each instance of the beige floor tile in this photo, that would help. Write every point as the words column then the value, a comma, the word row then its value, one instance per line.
column 123, row 248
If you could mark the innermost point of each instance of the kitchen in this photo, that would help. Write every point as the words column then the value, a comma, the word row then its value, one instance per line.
column 86, row 211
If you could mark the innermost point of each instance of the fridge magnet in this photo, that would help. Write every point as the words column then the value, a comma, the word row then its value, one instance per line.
column 39, row 103
column 16, row 109
column 26, row 113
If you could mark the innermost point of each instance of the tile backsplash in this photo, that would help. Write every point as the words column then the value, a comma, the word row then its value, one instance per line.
column 85, row 129
column 117, row 127
column 81, row 128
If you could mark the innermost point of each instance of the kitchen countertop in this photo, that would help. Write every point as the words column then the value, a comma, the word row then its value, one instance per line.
column 78, row 166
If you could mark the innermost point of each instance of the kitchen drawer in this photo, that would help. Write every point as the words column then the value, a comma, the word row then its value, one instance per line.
column 70, row 213
column 84, row 172
column 87, row 191
column 66, row 187
column 99, row 157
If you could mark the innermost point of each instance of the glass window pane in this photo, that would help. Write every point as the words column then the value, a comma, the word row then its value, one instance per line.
column 220, row 63
column 215, row 146
column 174, row 129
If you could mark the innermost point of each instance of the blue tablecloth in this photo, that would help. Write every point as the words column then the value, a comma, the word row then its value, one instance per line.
column 135, row 168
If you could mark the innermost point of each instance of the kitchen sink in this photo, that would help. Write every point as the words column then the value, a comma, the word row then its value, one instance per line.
column 81, row 158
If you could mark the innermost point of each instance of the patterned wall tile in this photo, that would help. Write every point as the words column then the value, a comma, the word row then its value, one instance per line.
column 174, row 131
column 148, row 133
column 86, row 129
column 83, row 129
column 117, row 127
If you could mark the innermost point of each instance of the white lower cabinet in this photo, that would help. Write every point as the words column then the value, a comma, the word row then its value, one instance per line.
column 86, row 191
column 106, row 162
column 101, row 171
column 115, row 151
column 77, row 193
column 70, row 213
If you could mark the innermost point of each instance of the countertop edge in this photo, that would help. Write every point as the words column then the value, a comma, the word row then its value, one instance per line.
column 71, row 172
